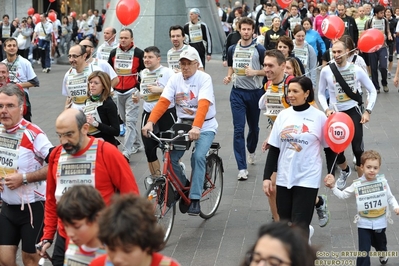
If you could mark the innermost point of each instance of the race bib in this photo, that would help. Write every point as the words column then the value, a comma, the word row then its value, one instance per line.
column 371, row 197
column 124, row 62
column 195, row 33
column 6, row 31
column 105, row 51
column 77, row 87
column 173, row 60
column 242, row 58
column 149, row 79
column 76, row 170
column 91, row 109
column 9, row 150
column 350, row 78
column 302, row 54
column 274, row 103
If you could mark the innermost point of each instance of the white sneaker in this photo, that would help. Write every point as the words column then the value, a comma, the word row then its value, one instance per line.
column 251, row 158
column 311, row 232
column 243, row 175
column 341, row 182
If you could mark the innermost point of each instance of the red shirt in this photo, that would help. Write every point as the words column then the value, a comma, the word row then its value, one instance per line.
column 157, row 260
column 112, row 172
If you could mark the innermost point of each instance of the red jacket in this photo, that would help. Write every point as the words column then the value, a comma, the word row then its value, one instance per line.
column 128, row 82
column 112, row 172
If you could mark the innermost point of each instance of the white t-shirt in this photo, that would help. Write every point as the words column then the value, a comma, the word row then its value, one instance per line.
column 86, row 27
column 107, row 68
column 164, row 74
column 174, row 56
column 327, row 81
column 48, row 28
column 224, row 24
column 187, row 92
column 20, row 71
column 105, row 49
column 300, row 138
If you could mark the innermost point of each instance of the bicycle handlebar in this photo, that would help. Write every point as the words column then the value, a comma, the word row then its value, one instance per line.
column 180, row 134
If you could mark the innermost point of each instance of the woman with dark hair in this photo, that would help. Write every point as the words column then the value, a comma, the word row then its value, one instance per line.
column 286, row 46
column 280, row 243
column 100, row 109
column 272, row 35
column 295, row 143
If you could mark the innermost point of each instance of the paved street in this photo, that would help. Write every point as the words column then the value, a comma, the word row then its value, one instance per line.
column 224, row 239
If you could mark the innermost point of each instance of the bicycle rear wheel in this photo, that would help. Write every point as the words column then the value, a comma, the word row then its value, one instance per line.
column 164, row 209
column 213, row 186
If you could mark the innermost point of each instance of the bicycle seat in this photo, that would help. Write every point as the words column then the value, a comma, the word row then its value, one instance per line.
column 215, row 146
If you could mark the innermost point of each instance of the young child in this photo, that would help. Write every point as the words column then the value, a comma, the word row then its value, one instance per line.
column 79, row 209
column 373, row 195
column 131, row 234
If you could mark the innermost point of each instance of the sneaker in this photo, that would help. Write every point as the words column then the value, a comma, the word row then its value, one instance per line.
column 251, row 158
column 341, row 182
column 389, row 75
column 242, row 175
column 384, row 260
column 44, row 70
column 135, row 150
column 122, row 130
column 323, row 213
column 194, row 209
column 311, row 232
column 48, row 70
column 386, row 89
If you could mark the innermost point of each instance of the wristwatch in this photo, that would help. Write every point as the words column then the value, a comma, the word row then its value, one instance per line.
column 368, row 111
column 24, row 180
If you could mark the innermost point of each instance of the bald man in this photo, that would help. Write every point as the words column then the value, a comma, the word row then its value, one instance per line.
column 109, row 44
column 80, row 159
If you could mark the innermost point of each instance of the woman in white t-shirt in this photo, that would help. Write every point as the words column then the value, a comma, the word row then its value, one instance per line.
column 295, row 143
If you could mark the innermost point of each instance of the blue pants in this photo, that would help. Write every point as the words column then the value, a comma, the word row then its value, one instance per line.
column 244, row 105
column 370, row 238
column 198, row 163
column 379, row 60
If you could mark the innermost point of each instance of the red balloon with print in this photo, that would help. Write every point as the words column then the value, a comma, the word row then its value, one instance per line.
column 127, row 11
column 339, row 131
column 370, row 41
column 52, row 16
column 333, row 27
column 384, row 3
column 31, row 11
column 36, row 18
column 284, row 3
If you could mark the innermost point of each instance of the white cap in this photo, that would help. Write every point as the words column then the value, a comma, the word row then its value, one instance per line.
column 187, row 54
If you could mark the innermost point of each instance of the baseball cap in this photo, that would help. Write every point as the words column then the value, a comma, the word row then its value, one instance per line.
column 187, row 54
column 195, row 11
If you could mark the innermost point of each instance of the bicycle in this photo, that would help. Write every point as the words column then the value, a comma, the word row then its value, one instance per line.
column 164, row 191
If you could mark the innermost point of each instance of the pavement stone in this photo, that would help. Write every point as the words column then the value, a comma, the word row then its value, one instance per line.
column 224, row 239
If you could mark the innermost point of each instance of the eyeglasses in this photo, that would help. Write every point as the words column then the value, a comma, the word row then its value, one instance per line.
column 74, row 56
column 8, row 106
column 85, row 46
column 187, row 64
column 67, row 134
column 256, row 258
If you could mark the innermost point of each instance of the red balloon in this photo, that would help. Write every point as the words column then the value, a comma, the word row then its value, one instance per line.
column 284, row 3
column 52, row 16
column 370, row 41
column 127, row 11
column 339, row 131
column 384, row 2
column 36, row 18
column 31, row 11
column 51, row 1
column 73, row 14
column 333, row 27
column 108, row 4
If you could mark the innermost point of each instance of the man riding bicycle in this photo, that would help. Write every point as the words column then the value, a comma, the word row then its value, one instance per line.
column 192, row 91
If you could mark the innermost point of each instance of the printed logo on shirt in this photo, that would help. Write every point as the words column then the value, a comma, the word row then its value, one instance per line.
column 287, row 136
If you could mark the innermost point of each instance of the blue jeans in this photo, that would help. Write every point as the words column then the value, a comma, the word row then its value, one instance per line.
column 379, row 61
column 198, row 163
column 244, row 105
column 44, row 47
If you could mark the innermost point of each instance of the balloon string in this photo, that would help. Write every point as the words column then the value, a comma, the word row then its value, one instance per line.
column 333, row 165
column 141, row 16
column 329, row 62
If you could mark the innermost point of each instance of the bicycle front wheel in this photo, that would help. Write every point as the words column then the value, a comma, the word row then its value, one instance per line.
column 213, row 187
column 164, row 210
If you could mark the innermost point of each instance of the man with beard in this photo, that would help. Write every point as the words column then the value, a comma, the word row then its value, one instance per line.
column 176, row 35
column 24, row 148
column 350, row 23
column 245, row 62
column 74, row 85
column 80, row 159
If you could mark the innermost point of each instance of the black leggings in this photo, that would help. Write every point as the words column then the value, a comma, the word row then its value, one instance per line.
column 357, row 142
column 167, row 120
column 296, row 205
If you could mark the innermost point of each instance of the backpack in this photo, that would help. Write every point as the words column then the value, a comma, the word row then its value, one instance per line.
column 224, row 16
